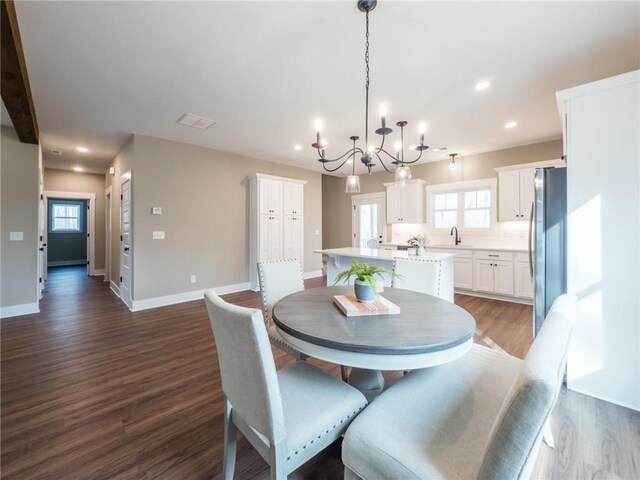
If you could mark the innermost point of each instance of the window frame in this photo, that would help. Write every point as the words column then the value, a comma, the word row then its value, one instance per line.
column 63, row 202
column 460, row 188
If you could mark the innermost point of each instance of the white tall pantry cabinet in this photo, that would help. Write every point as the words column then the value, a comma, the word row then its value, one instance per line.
column 276, row 221
column 602, row 144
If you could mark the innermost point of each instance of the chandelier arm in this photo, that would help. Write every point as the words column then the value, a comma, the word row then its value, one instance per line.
column 390, row 156
column 351, row 151
column 331, row 170
column 413, row 161
column 382, row 163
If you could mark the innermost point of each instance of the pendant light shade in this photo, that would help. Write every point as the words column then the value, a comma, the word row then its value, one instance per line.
column 403, row 173
column 353, row 184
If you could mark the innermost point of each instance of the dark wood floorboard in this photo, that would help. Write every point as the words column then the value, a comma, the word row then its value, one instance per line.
column 93, row 391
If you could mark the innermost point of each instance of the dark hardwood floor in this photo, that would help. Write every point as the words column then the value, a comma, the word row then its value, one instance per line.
column 93, row 391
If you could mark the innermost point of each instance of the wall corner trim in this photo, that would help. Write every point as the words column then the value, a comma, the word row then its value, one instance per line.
column 114, row 288
column 17, row 310
column 163, row 301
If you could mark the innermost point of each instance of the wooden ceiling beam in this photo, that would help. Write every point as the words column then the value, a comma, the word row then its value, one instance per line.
column 16, row 93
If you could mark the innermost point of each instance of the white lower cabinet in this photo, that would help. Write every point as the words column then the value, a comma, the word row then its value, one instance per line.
column 271, row 238
column 463, row 273
column 503, row 277
column 522, row 277
column 493, row 276
column 483, row 276
column 293, row 238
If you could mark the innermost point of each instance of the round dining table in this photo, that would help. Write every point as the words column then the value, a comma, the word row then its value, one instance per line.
column 428, row 331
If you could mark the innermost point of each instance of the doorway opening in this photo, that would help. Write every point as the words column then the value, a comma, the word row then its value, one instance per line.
column 368, row 220
column 70, row 227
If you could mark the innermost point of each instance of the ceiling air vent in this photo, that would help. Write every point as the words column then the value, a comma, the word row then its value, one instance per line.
column 195, row 121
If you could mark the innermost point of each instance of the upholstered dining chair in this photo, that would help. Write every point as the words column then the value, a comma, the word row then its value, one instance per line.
column 483, row 416
column 421, row 275
column 277, row 280
column 288, row 415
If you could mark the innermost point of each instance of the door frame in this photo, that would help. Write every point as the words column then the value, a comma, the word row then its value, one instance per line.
column 108, row 215
column 123, row 178
column 91, row 224
column 369, row 196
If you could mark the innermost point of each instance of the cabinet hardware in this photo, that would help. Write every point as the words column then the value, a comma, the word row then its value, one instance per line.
column 493, row 255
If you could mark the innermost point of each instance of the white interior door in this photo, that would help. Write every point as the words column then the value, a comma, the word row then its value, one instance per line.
column 107, row 229
column 368, row 221
column 125, row 241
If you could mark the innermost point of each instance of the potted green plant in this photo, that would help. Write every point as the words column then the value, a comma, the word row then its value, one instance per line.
column 364, row 287
column 419, row 242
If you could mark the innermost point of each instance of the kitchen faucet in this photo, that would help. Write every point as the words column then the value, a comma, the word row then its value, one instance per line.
column 457, row 237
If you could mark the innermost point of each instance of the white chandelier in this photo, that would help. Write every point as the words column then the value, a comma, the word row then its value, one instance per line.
column 369, row 153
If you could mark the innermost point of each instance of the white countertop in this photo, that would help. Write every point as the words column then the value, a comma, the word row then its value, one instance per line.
column 376, row 253
column 462, row 247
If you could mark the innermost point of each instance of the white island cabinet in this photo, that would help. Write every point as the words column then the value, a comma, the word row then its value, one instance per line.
column 339, row 259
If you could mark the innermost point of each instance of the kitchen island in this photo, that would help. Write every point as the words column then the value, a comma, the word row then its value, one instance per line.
column 340, row 259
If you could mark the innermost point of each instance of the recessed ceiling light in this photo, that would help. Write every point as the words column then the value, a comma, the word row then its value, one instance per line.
column 510, row 124
column 82, row 149
column 297, row 147
column 441, row 149
column 483, row 85
column 78, row 169
column 56, row 152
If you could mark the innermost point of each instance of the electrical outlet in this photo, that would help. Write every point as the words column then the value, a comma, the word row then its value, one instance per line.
column 317, row 232
column 158, row 235
column 193, row 279
column 156, row 210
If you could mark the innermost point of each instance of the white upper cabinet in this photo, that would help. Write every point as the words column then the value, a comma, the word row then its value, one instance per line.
column 516, row 190
column 293, row 199
column 405, row 201
column 270, row 193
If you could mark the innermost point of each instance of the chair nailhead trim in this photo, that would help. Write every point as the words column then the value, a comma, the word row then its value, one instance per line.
column 341, row 421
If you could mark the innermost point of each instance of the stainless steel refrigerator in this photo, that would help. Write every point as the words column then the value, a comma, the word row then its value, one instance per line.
column 547, row 241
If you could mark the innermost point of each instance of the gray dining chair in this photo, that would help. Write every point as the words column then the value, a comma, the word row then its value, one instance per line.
column 278, row 279
column 483, row 416
column 421, row 275
column 288, row 415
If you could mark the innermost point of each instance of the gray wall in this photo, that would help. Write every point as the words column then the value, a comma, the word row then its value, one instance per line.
column 67, row 247
column 336, row 205
column 66, row 181
column 204, row 198
column 19, row 212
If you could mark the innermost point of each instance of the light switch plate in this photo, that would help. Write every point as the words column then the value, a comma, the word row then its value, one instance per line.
column 15, row 236
column 156, row 210
column 158, row 235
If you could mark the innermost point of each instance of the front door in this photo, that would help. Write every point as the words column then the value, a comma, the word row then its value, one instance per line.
column 368, row 220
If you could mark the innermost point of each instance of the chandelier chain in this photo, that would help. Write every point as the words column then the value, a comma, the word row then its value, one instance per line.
column 366, row 85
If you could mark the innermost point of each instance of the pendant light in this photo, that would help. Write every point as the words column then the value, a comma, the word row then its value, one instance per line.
column 452, row 166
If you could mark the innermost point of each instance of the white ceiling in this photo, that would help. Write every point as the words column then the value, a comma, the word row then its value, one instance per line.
column 265, row 70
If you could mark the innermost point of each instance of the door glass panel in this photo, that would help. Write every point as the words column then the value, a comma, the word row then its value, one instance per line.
column 368, row 228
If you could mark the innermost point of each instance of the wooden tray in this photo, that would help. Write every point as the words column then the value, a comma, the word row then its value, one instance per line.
column 351, row 307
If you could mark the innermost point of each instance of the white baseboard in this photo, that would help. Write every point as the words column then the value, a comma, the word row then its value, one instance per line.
column 504, row 298
column 16, row 310
column 605, row 399
column 312, row 274
column 185, row 297
column 98, row 272
column 66, row 263
column 115, row 288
